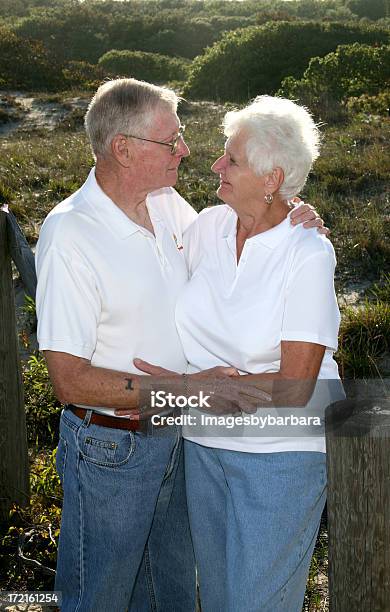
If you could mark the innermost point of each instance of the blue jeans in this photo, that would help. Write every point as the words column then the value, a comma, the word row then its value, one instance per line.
column 254, row 520
column 125, row 542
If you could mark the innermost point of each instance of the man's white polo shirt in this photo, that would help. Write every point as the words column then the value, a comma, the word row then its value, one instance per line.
column 281, row 289
column 107, row 288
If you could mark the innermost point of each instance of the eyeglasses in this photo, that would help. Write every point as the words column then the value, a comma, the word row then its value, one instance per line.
column 173, row 144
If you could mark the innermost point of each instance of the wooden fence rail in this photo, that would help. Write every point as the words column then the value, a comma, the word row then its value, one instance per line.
column 14, row 473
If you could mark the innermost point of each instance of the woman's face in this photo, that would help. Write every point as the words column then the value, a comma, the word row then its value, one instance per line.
column 239, row 185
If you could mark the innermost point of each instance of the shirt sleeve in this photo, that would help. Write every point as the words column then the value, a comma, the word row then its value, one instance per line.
column 68, row 305
column 311, row 312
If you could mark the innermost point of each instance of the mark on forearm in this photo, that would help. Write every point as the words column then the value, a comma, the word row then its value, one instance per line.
column 129, row 384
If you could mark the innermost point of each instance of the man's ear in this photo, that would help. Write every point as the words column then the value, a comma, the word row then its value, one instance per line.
column 274, row 180
column 121, row 150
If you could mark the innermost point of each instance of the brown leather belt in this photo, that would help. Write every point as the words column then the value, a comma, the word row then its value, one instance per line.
column 107, row 421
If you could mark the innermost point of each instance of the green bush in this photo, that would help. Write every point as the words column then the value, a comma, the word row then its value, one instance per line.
column 77, row 32
column 87, row 30
column 371, row 105
column 350, row 71
column 373, row 9
column 254, row 60
column 26, row 64
column 144, row 66
column 82, row 75
column 42, row 408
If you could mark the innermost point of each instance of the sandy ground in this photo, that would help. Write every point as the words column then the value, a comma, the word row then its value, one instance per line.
column 28, row 113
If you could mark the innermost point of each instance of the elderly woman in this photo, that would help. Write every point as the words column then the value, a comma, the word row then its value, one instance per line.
column 260, row 298
column 266, row 305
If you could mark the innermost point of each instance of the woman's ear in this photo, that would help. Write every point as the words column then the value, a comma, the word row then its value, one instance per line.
column 274, row 180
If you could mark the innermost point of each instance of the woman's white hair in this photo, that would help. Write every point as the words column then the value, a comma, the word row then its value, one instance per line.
column 124, row 106
column 280, row 134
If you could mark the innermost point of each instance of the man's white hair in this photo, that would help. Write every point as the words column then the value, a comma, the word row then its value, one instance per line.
column 279, row 133
column 124, row 106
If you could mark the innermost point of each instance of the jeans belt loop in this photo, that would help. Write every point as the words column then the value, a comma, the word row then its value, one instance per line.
column 87, row 419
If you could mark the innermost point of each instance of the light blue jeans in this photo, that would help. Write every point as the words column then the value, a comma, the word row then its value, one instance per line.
column 125, row 542
column 254, row 520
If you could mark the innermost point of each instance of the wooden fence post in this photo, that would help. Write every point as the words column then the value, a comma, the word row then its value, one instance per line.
column 14, row 473
column 358, row 463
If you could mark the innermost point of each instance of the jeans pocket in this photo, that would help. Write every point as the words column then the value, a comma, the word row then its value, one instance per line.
column 62, row 450
column 106, row 447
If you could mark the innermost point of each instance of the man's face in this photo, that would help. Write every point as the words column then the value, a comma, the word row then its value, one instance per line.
column 156, row 167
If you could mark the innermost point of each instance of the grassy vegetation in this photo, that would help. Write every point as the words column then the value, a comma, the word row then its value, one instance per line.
column 381, row 291
column 38, row 170
column 316, row 598
column 35, row 527
column 348, row 187
column 365, row 341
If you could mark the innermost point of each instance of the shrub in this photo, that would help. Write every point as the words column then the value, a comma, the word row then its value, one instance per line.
column 82, row 75
column 145, row 66
column 351, row 70
column 42, row 408
column 77, row 32
column 371, row 105
column 254, row 60
column 25, row 63
column 186, row 38
column 86, row 30
column 373, row 9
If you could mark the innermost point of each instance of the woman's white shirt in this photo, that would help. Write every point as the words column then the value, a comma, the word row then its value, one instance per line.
column 238, row 314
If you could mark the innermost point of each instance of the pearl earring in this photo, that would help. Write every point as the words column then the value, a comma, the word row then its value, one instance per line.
column 269, row 198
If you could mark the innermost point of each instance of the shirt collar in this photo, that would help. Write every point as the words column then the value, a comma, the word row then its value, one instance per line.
column 109, row 213
column 270, row 239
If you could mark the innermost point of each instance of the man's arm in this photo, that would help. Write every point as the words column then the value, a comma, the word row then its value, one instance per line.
column 76, row 381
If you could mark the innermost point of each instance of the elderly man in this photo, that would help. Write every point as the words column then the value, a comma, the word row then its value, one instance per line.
column 110, row 266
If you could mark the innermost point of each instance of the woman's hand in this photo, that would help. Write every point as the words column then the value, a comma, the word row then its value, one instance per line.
column 212, row 384
column 228, row 394
column 307, row 214
column 218, row 390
